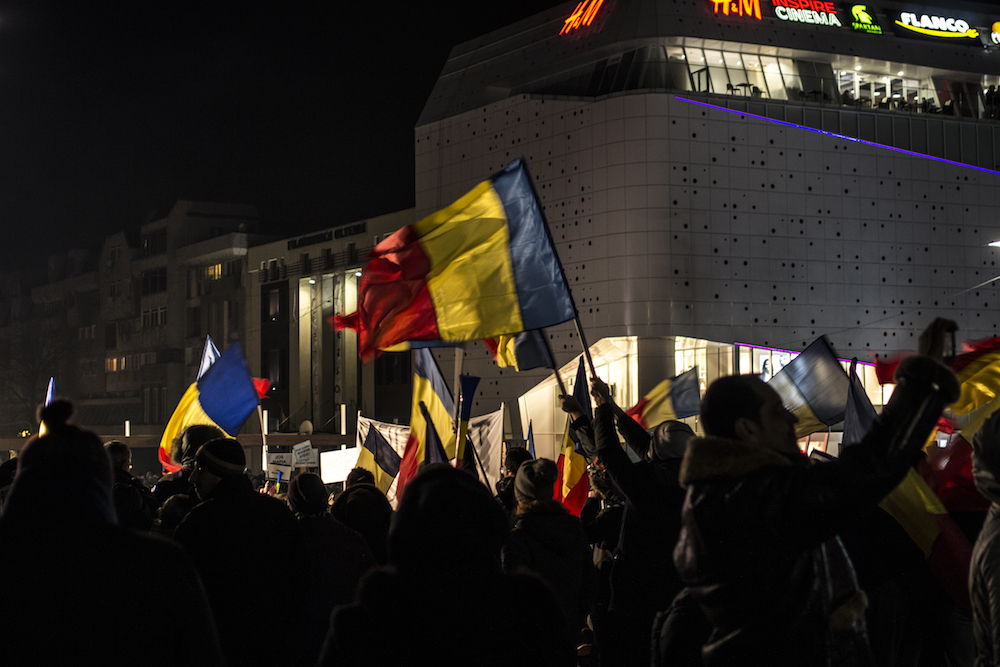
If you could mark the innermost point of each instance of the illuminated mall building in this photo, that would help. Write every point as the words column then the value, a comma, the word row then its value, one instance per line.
column 726, row 180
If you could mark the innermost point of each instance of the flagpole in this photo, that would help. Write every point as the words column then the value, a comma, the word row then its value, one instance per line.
column 475, row 455
column 459, row 359
column 586, row 348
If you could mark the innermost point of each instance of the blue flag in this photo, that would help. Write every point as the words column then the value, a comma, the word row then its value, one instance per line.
column 531, row 441
column 860, row 415
column 383, row 453
column 433, row 449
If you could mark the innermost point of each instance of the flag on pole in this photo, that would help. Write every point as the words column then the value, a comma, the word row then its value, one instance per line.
column 466, row 394
column 482, row 267
column 209, row 355
column 531, row 441
column 522, row 351
column 50, row 395
column 574, row 484
column 433, row 449
column 225, row 396
column 378, row 457
column 430, row 389
column 859, row 414
column 674, row 398
column 813, row 387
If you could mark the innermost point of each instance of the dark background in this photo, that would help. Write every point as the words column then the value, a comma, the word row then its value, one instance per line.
column 110, row 112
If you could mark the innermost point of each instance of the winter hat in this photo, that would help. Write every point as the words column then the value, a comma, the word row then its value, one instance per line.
column 535, row 480
column 670, row 440
column 222, row 457
column 307, row 495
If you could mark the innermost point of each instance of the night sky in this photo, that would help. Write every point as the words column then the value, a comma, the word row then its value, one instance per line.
column 111, row 111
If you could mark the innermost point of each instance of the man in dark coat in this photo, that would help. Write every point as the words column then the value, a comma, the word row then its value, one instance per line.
column 984, row 572
column 641, row 582
column 235, row 537
column 134, row 503
column 759, row 549
column 184, row 450
column 512, row 460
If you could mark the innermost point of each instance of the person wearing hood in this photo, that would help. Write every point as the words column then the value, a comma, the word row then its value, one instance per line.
column 184, row 452
column 549, row 541
column 73, row 572
column 984, row 571
column 759, row 548
column 643, row 581
column 235, row 536
column 512, row 460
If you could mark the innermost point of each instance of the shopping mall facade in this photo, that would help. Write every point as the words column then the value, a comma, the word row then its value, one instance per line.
column 727, row 180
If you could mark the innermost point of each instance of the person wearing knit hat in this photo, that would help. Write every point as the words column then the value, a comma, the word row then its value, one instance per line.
column 222, row 457
column 550, row 542
column 233, row 535
column 186, row 446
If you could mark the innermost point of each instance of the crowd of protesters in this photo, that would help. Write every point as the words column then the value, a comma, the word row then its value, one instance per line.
column 728, row 549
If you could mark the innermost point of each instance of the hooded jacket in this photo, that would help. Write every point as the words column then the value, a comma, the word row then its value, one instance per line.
column 759, row 547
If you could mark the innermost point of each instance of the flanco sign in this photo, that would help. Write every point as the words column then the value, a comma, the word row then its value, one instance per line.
column 936, row 26
column 807, row 11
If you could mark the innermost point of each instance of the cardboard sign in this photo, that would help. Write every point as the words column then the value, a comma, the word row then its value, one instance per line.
column 304, row 455
column 279, row 459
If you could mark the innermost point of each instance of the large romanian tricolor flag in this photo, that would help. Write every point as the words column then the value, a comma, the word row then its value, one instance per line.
column 574, row 483
column 813, row 387
column 674, row 398
column 430, row 389
column 224, row 396
column 482, row 267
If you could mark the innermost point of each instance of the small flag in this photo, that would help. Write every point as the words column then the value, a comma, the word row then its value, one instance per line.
column 482, row 267
column 430, row 389
column 225, row 396
column 50, row 395
column 378, row 457
column 433, row 449
column 523, row 351
column 859, row 415
column 531, row 441
column 813, row 387
column 466, row 393
column 573, row 484
column 209, row 355
column 674, row 398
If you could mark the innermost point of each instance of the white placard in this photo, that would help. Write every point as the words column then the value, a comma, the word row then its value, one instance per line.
column 304, row 455
column 337, row 464
column 279, row 459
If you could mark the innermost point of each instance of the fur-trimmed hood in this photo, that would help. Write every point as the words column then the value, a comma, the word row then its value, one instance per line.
column 720, row 457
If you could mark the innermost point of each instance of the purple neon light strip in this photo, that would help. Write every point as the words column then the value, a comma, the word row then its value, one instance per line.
column 778, row 349
column 841, row 136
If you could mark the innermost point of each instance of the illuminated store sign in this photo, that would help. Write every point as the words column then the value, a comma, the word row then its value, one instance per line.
column 806, row 11
column 738, row 7
column 863, row 20
column 583, row 15
column 936, row 26
column 995, row 33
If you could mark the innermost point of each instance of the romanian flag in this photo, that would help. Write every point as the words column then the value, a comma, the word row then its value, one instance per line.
column 522, row 351
column 378, row 457
column 917, row 508
column 814, row 388
column 675, row 398
column 430, row 389
column 482, row 267
column 224, row 396
column 466, row 395
column 531, row 441
column 574, row 483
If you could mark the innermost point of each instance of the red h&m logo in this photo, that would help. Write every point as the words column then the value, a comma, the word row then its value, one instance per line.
column 583, row 15
column 739, row 7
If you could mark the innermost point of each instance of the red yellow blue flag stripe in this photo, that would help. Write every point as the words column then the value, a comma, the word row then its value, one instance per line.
column 482, row 267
